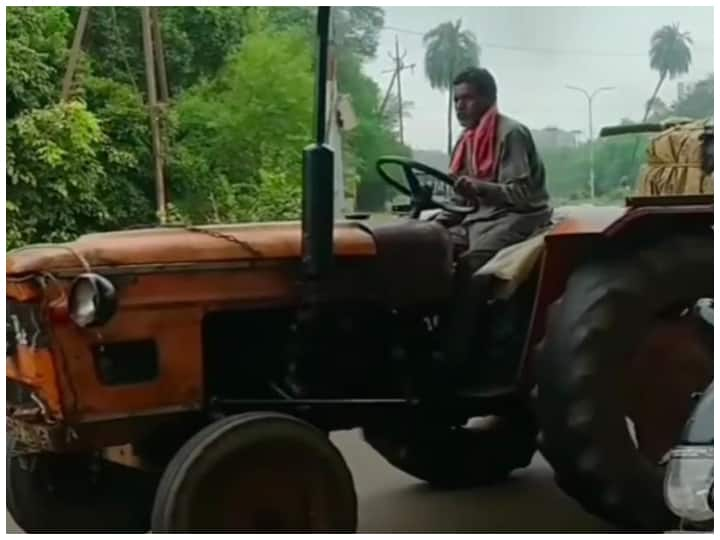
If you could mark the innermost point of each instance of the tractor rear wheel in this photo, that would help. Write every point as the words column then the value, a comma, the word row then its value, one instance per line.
column 616, row 374
column 451, row 457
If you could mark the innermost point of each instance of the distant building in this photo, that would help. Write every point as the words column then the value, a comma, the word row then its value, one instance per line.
column 550, row 138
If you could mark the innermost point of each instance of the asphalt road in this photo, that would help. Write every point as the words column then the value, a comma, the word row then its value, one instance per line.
column 391, row 501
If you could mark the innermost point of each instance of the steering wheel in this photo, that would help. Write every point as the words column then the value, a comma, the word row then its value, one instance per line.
column 421, row 197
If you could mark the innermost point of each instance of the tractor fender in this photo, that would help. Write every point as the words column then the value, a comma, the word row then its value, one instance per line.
column 584, row 232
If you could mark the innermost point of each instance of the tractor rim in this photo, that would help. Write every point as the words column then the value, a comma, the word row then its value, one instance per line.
column 670, row 365
column 266, row 487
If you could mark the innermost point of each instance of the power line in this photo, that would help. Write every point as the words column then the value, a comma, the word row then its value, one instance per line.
column 541, row 50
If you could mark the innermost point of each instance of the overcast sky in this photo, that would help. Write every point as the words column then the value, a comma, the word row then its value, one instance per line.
column 588, row 47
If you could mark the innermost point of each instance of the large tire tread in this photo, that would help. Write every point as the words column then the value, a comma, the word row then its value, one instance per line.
column 607, row 304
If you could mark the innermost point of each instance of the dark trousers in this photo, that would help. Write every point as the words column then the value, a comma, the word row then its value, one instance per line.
column 475, row 243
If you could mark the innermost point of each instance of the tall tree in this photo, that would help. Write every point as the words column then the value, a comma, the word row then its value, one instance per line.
column 357, row 29
column 240, row 110
column 449, row 50
column 244, row 129
column 36, row 40
column 54, row 175
column 698, row 102
column 670, row 56
column 197, row 41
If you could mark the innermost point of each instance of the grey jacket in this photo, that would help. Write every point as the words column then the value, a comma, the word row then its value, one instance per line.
column 520, row 183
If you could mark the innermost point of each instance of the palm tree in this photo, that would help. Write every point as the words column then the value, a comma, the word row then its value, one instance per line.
column 670, row 56
column 659, row 111
column 449, row 50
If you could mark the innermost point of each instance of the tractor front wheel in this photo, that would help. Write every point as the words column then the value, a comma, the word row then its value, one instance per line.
column 76, row 493
column 256, row 472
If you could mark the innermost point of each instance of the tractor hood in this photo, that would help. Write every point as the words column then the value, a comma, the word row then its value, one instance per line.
column 181, row 246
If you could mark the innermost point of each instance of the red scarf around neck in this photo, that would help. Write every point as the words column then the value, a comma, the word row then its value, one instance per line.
column 480, row 144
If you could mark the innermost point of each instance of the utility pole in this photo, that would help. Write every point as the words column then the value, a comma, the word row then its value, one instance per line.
column 163, row 90
column 159, row 50
column 591, row 141
column 74, row 53
column 153, row 110
column 398, row 68
column 387, row 93
column 154, row 67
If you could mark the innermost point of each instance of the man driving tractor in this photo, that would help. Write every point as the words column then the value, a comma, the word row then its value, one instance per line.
column 496, row 168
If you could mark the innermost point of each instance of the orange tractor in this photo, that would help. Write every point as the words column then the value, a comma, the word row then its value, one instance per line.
column 183, row 379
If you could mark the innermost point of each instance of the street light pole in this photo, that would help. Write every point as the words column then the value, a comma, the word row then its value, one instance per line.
column 590, row 97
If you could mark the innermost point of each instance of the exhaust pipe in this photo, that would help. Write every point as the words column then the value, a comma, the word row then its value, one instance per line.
column 318, row 158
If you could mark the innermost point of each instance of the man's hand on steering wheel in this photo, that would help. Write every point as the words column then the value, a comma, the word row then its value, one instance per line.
column 464, row 187
column 421, row 197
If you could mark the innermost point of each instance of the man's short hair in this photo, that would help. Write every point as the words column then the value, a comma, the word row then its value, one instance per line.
column 480, row 79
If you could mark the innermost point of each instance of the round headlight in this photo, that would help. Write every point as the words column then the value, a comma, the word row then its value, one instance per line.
column 92, row 300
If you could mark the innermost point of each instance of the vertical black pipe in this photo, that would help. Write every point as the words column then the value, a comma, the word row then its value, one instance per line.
column 323, row 40
column 318, row 185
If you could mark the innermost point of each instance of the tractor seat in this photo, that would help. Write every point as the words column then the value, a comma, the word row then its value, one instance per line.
column 513, row 265
column 414, row 263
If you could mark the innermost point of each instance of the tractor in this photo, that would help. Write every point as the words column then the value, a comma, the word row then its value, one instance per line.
column 187, row 378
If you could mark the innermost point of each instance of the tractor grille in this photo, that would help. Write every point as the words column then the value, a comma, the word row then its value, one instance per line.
column 23, row 326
